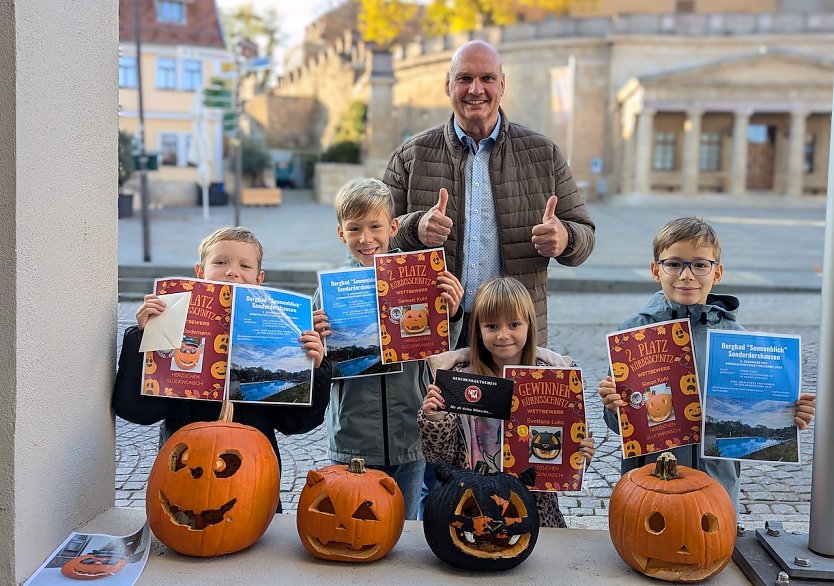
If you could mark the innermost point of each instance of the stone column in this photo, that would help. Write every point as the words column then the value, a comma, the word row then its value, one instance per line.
column 738, row 168
column 381, row 128
column 796, row 153
column 643, row 154
column 691, row 150
column 58, row 231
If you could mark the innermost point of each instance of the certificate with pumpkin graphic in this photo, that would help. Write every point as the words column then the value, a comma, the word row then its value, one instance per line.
column 653, row 368
column 547, row 422
column 206, row 363
column 413, row 318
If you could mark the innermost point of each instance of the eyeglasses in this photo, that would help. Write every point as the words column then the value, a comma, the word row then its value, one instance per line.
column 700, row 267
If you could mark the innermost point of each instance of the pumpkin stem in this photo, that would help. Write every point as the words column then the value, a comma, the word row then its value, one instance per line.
column 357, row 466
column 227, row 411
column 666, row 467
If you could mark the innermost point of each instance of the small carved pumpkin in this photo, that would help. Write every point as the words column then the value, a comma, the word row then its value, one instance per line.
column 632, row 448
column 689, row 384
column 626, row 428
column 545, row 445
column 415, row 321
column 381, row 288
column 384, row 336
column 659, row 407
column 389, row 355
column 509, row 459
column 679, row 335
column 213, row 488
column 188, row 354
column 151, row 387
column 221, row 344
column 577, row 431
column 693, row 411
column 218, row 369
column 150, row 365
column 226, row 296
column 620, row 371
column 440, row 305
column 443, row 328
column 436, row 261
column 672, row 522
column 93, row 566
column 479, row 520
column 350, row 514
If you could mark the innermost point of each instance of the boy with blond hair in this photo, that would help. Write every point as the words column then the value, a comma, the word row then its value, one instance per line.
column 230, row 255
column 687, row 265
column 375, row 417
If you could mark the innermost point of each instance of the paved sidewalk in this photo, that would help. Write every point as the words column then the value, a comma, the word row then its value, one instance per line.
column 772, row 256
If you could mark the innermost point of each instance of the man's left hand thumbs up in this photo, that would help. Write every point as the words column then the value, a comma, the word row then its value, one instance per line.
column 550, row 237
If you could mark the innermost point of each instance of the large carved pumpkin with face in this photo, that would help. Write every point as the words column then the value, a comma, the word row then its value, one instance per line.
column 659, row 407
column 415, row 321
column 479, row 520
column 350, row 514
column 93, row 566
column 672, row 522
column 213, row 488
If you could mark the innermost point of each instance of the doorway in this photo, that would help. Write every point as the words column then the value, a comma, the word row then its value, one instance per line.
column 761, row 140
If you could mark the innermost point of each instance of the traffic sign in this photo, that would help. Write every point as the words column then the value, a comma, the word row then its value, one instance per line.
column 214, row 97
column 217, row 103
column 258, row 64
column 229, row 122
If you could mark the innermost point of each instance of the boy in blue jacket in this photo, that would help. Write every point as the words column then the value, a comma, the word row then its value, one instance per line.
column 375, row 417
column 687, row 264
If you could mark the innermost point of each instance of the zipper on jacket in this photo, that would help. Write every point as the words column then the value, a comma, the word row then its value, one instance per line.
column 384, row 396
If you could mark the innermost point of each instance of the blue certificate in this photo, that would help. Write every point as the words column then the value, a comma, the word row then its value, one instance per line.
column 266, row 360
column 752, row 384
column 348, row 298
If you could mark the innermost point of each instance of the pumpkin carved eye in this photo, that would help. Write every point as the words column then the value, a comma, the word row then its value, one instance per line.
column 656, row 523
column 364, row 512
column 324, row 505
column 179, row 457
column 227, row 464
column 709, row 523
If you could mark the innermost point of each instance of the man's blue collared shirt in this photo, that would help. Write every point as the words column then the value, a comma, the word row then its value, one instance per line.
column 481, row 246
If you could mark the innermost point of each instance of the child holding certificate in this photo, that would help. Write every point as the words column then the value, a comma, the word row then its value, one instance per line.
column 501, row 332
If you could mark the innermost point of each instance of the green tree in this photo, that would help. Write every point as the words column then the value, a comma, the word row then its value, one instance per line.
column 352, row 123
column 127, row 167
column 255, row 158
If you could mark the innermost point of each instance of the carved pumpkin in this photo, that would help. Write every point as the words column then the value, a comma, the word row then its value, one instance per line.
column 213, row 488
column 381, row 288
column 509, row 459
column 415, row 321
column 632, row 448
column 226, row 296
column 689, row 384
column 384, row 336
column 436, row 261
column 218, row 369
column 350, row 514
column 626, row 428
column 659, row 407
column 389, row 355
column 440, row 305
column 545, row 445
column 577, row 431
column 577, row 460
column 693, row 411
column 679, row 335
column 443, row 328
column 150, row 365
column 93, row 566
column 575, row 382
column 188, row 354
column 221, row 344
column 672, row 522
column 620, row 371
column 479, row 520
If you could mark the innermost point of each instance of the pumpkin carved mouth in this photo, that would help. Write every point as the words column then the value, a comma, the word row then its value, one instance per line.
column 192, row 520
column 343, row 548
column 676, row 571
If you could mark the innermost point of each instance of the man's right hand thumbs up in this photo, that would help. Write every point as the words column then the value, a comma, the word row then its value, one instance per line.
column 434, row 226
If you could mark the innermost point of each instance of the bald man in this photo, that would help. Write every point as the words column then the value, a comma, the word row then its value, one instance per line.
column 497, row 196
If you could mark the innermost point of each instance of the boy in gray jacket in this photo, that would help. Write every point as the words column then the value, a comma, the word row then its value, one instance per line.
column 375, row 417
column 687, row 264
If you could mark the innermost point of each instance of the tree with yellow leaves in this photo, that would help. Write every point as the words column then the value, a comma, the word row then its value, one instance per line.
column 382, row 21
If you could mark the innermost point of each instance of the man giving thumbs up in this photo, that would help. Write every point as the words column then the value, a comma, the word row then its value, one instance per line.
column 497, row 196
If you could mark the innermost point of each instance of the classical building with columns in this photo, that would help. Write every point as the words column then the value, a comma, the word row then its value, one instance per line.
column 679, row 97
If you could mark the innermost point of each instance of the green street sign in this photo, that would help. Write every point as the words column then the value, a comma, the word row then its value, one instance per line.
column 217, row 93
column 225, row 103
column 229, row 122
column 153, row 161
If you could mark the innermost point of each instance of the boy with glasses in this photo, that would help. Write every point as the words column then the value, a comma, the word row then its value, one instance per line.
column 687, row 264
